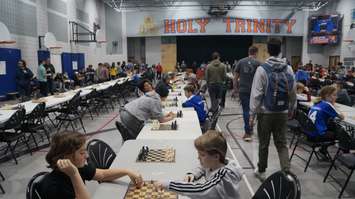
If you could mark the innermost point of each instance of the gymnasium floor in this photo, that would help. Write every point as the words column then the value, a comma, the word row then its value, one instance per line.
column 230, row 122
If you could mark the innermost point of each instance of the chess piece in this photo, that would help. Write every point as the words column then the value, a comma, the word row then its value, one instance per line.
column 180, row 113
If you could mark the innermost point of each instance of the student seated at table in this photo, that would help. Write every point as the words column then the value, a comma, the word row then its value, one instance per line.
column 301, row 88
column 145, row 86
column 196, row 102
column 321, row 112
column 148, row 106
column 164, row 82
column 67, row 158
column 342, row 94
column 216, row 178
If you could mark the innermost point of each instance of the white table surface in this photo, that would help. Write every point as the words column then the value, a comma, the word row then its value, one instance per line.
column 52, row 101
column 188, row 128
column 5, row 115
column 185, row 160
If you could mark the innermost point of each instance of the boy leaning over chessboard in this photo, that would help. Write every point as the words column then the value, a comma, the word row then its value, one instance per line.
column 221, row 176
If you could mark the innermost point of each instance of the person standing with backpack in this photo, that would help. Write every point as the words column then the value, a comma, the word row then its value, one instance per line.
column 272, row 100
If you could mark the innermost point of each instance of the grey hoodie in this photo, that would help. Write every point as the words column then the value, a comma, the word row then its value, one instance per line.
column 260, row 83
column 216, row 72
column 146, row 107
column 222, row 183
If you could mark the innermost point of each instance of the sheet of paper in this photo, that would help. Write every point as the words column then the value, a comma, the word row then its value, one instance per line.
column 2, row 67
column 75, row 65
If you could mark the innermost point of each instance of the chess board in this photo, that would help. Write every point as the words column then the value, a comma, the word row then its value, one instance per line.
column 61, row 95
column 40, row 100
column 163, row 127
column 170, row 104
column 159, row 155
column 148, row 192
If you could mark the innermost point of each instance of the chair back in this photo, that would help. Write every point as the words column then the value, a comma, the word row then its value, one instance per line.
column 37, row 115
column 15, row 121
column 346, row 141
column 123, row 131
column 74, row 102
column 306, row 124
column 33, row 186
column 100, row 154
column 280, row 185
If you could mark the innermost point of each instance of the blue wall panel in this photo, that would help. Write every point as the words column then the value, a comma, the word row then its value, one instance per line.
column 8, row 81
column 67, row 66
column 42, row 54
column 67, row 62
column 81, row 61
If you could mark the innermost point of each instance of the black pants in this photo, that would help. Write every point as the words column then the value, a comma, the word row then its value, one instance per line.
column 50, row 86
column 215, row 91
column 43, row 87
column 133, row 124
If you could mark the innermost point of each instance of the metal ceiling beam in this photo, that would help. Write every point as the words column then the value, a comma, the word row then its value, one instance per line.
column 132, row 4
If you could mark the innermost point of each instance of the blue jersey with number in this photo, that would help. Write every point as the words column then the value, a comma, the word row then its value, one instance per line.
column 320, row 113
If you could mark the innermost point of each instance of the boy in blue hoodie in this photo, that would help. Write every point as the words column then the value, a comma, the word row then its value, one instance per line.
column 216, row 178
column 196, row 102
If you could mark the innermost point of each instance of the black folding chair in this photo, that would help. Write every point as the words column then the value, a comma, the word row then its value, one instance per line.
column 11, row 132
column 70, row 113
column 346, row 143
column 33, row 187
column 101, row 154
column 34, row 122
column 280, row 185
column 306, row 125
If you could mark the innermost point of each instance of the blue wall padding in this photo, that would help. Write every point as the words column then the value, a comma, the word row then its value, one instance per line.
column 81, row 61
column 8, row 81
column 42, row 55
column 67, row 62
column 67, row 66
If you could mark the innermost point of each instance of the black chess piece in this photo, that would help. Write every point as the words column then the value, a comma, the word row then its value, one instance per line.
column 172, row 125
column 180, row 113
column 176, row 99
column 140, row 154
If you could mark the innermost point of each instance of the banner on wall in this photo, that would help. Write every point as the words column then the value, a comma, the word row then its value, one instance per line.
column 242, row 22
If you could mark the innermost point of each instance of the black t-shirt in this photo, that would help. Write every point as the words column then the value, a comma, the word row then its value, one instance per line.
column 57, row 185
column 246, row 68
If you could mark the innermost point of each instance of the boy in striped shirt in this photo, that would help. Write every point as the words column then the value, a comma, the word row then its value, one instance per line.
column 217, row 177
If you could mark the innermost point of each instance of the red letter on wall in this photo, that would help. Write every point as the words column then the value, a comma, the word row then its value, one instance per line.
column 249, row 25
column 181, row 26
column 202, row 22
column 228, row 24
column 268, row 25
column 191, row 29
column 169, row 26
column 290, row 24
column 259, row 26
column 239, row 25
column 277, row 23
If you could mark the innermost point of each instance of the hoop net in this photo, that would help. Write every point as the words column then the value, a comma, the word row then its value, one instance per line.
column 55, row 50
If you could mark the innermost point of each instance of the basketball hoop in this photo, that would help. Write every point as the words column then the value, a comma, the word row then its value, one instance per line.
column 8, row 42
column 55, row 50
column 101, row 41
column 5, row 37
column 348, row 40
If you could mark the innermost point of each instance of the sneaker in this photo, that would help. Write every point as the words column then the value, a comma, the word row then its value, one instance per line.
column 260, row 175
column 247, row 137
